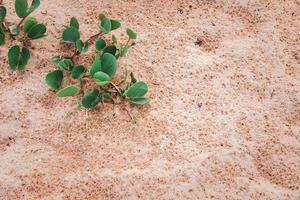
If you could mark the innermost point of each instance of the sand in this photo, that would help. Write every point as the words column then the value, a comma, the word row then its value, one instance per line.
column 224, row 118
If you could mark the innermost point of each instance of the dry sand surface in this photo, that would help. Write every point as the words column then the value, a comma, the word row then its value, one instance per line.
column 223, row 123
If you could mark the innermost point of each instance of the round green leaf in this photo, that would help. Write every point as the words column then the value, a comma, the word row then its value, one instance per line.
column 105, row 25
column 78, row 71
column 136, row 90
column 34, row 5
column 2, row 36
column 74, row 23
column 68, row 91
column 100, row 44
column 29, row 23
column 101, row 78
column 37, row 31
column 25, row 55
column 2, row 13
column 109, row 64
column 91, row 100
column 140, row 100
column 21, row 7
column 96, row 66
column 13, row 57
column 71, row 35
column 115, row 24
column 131, row 33
column 112, row 49
column 54, row 79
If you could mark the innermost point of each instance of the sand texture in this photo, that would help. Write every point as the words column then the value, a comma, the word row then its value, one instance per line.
column 224, row 118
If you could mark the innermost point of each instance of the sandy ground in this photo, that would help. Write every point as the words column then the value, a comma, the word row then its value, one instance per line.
column 224, row 121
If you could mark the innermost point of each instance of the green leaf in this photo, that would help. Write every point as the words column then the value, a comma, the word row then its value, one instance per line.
column 21, row 7
column 133, row 79
column 54, row 79
column 100, row 44
column 124, row 50
column 68, row 91
column 13, row 57
column 82, row 47
column 109, row 64
column 71, row 35
column 91, row 100
column 112, row 49
column 115, row 24
column 101, row 78
column 25, row 56
column 114, row 39
column 140, row 100
column 29, row 23
column 34, row 5
column 96, row 66
column 37, row 31
column 2, row 13
column 2, row 36
column 138, row 89
column 102, row 16
column 78, row 71
column 56, row 59
column 66, row 64
column 14, row 29
column 17, row 58
column 74, row 23
column 105, row 25
column 131, row 33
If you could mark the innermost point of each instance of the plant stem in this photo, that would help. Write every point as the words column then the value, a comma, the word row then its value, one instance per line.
column 22, row 20
column 94, row 37
column 116, row 88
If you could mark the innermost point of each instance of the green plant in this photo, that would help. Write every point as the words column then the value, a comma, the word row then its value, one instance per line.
column 101, row 72
column 23, row 32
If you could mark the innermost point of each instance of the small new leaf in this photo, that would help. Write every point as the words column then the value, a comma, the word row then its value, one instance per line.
column 131, row 33
column 56, row 59
column 54, row 79
column 14, row 29
column 82, row 47
column 65, row 64
column 74, row 23
column 68, row 91
column 71, row 35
